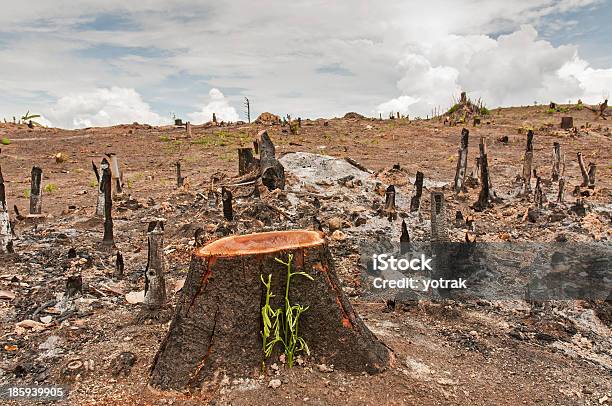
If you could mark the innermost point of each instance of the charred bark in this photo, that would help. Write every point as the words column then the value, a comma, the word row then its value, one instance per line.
column 155, row 285
column 36, row 191
column 404, row 239
column 100, row 200
column 119, row 265
column 567, row 123
column 228, row 212
column 439, row 227
column 561, row 193
column 538, row 194
column 556, row 168
column 415, row 200
column 217, row 323
column 246, row 161
column 106, row 187
column 591, row 174
column 272, row 172
column 527, row 164
column 180, row 180
column 462, row 162
column 390, row 210
column 485, row 195
column 6, row 234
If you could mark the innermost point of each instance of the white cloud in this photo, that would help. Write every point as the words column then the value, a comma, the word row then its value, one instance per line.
column 217, row 104
column 102, row 107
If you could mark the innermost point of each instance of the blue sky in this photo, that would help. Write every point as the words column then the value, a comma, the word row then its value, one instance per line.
column 89, row 63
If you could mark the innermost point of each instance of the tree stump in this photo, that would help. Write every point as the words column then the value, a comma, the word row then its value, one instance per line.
column 272, row 172
column 246, row 161
column 567, row 123
column 36, row 191
column 6, row 234
column 106, row 187
column 462, row 162
column 583, row 171
column 556, row 168
column 528, row 163
column 417, row 192
column 217, row 325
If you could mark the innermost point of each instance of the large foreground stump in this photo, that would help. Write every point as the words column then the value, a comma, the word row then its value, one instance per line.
column 216, row 329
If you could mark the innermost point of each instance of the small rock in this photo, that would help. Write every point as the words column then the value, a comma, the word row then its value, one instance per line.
column 123, row 363
column 325, row 368
column 338, row 236
column 335, row 223
column 274, row 383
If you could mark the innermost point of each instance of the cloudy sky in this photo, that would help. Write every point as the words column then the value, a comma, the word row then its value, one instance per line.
column 86, row 63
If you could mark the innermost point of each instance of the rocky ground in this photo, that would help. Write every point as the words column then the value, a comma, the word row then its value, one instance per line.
column 447, row 352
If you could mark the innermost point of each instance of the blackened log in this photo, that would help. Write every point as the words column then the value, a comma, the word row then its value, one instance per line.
column 6, row 234
column 106, row 187
column 155, row 285
column 119, row 265
column 462, row 162
column 226, row 196
column 246, row 161
column 390, row 210
column 527, row 163
column 36, row 191
column 404, row 239
column 583, row 171
column 556, row 168
column 417, row 192
column 272, row 172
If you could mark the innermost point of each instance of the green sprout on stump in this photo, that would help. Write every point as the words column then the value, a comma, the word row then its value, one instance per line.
column 282, row 325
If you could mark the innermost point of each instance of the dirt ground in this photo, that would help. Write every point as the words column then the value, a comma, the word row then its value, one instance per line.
column 480, row 353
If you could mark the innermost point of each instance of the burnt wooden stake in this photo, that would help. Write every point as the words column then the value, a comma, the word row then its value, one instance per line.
column 583, row 171
column 484, row 197
column 556, row 168
column 116, row 175
column 415, row 201
column 200, row 237
column 36, row 191
column 390, row 210
column 74, row 285
column 100, row 201
column 106, row 187
column 527, row 163
column 272, row 172
column 226, row 196
column 561, row 194
column 188, row 129
column 462, row 162
column 6, row 234
column 246, row 161
column 538, row 194
column 404, row 239
column 592, row 170
column 155, row 285
column 180, row 180
column 119, row 265
column 439, row 230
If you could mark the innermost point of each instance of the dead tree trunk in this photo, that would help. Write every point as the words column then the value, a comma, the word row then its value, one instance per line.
column 226, row 197
column 485, row 196
column 217, row 326
column 439, row 227
column 36, row 191
column 272, row 172
column 106, row 187
column 592, row 170
column 462, row 162
column 155, row 285
column 100, row 201
column 567, row 123
column 404, row 239
column 390, row 210
column 415, row 200
column 117, row 177
column 180, row 180
column 556, row 168
column 119, row 265
column 527, row 164
column 6, row 234
column 583, row 171
column 561, row 194
column 538, row 194
column 246, row 161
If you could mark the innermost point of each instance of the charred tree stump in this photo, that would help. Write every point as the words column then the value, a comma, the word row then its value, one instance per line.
column 390, row 210
column 116, row 175
column 415, row 200
column 100, row 200
column 462, row 162
column 485, row 195
column 155, row 285
column 591, row 174
column 217, row 324
column 439, row 228
column 180, row 180
column 538, row 194
column 272, row 172
column 106, row 187
column 6, row 234
column 567, row 123
column 119, row 265
column 74, row 285
column 527, row 164
column 583, row 171
column 36, row 191
column 556, row 168
column 561, row 193
column 246, row 161
column 228, row 212
column 188, row 129
column 404, row 239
